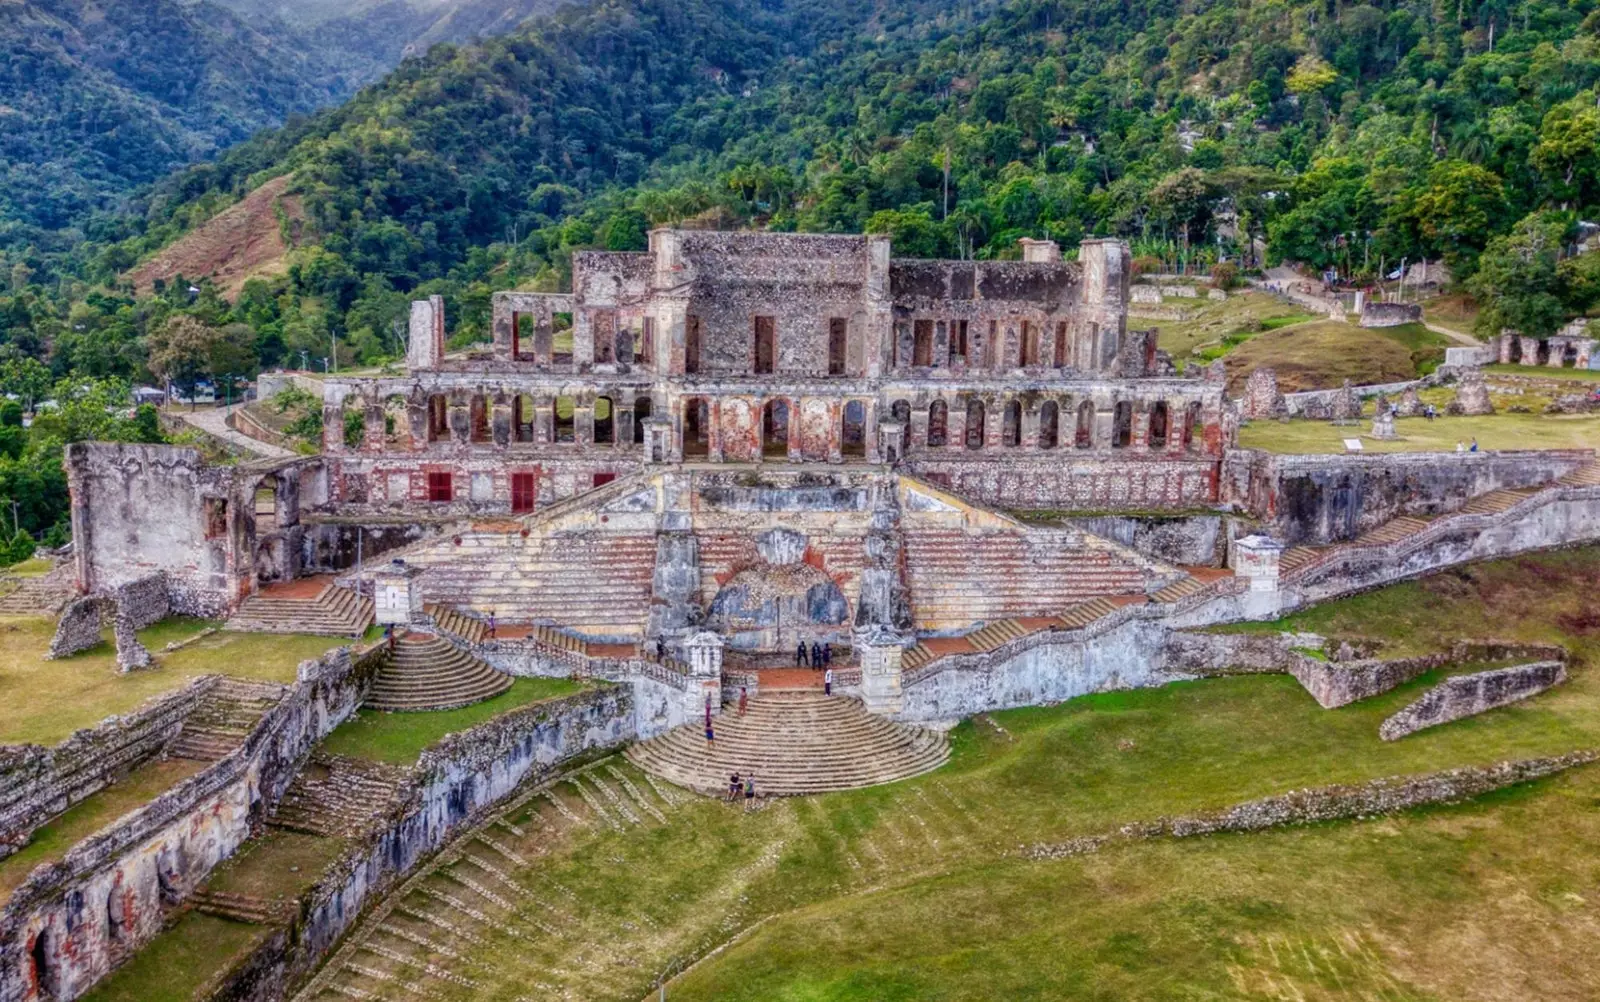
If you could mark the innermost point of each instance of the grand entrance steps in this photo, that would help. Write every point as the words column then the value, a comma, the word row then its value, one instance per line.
column 44, row 595
column 1495, row 501
column 223, row 718
column 795, row 742
column 1587, row 476
column 428, row 672
column 332, row 611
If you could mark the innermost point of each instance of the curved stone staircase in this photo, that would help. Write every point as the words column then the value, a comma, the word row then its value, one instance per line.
column 796, row 743
column 428, row 672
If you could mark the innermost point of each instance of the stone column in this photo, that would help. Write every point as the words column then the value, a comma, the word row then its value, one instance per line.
column 795, row 445
column 835, row 431
column 544, row 421
column 373, row 427
column 1140, row 439
column 1530, row 350
column 714, row 433
column 1255, row 558
column 704, row 653
column 583, row 424
column 502, row 429
column 879, row 650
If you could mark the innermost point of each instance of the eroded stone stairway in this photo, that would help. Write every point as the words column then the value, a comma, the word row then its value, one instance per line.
column 223, row 718
column 795, row 742
column 310, row 605
column 339, row 796
column 428, row 672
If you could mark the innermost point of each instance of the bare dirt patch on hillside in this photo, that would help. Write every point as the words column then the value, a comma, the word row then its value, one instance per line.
column 242, row 242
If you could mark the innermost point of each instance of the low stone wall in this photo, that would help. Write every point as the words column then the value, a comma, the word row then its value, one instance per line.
column 74, row 920
column 1390, row 314
column 1338, row 683
column 38, row 783
column 1187, row 653
column 1469, row 695
column 453, row 784
column 1389, row 795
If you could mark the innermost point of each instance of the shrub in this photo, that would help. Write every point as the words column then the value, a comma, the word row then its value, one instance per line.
column 1225, row 275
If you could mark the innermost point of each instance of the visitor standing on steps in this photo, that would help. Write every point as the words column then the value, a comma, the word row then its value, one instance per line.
column 800, row 655
column 388, row 636
column 816, row 654
column 744, row 699
column 734, row 786
column 827, row 655
column 749, row 791
column 661, row 651
column 827, row 682
column 711, row 735
column 491, row 624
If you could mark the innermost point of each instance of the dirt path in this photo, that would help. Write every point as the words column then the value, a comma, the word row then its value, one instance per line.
column 214, row 422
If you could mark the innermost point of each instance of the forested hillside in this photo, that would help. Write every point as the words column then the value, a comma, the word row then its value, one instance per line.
column 98, row 96
column 1339, row 135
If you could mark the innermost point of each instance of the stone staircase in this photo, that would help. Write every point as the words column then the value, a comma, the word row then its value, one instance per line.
column 956, row 578
column 795, row 742
column 338, row 796
column 44, row 595
column 590, row 582
column 223, row 718
column 333, row 611
column 244, row 908
column 427, row 672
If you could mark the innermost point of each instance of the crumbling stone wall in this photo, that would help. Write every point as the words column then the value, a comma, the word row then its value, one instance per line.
column 1316, row 500
column 1185, row 540
column 1468, row 695
column 1390, row 314
column 1200, row 653
column 1339, row 683
column 72, row 921
column 78, row 629
column 38, row 783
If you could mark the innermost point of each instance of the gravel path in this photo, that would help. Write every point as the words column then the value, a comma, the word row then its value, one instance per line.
column 214, row 422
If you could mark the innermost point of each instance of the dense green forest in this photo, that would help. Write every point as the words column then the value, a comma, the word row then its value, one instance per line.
column 1334, row 134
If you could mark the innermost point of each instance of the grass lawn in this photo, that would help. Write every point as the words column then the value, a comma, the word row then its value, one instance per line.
column 1458, row 312
column 280, row 864
column 45, row 701
column 1541, row 372
column 31, row 568
column 1241, row 312
column 915, row 890
column 1321, row 355
column 179, row 960
column 399, row 738
column 52, row 841
column 1493, row 431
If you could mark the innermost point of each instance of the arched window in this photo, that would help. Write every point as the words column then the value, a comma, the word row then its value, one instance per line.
column 1122, row 425
column 1049, row 424
column 566, row 423
column 605, row 421
column 938, row 423
column 853, row 436
column 900, row 411
column 1084, row 436
column 975, row 424
column 775, row 428
column 1157, row 436
column 641, row 411
column 1011, row 425
column 438, row 418
column 522, row 414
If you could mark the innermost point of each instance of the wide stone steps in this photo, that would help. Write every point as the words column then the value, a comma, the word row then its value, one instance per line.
column 1179, row 589
column 240, row 907
column 1392, row 531
column 334, row 611
column 468, row 628
column 429, row 673
column 1494, row 502
column 338, row 796
column 794, row 743
column 1081, row 615
column 1587, row 476
column 223, row 718
column 45, row 595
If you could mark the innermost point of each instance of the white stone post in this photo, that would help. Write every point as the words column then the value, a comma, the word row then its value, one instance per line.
column 397, row 594
column 704, row 651
column 879, row 650
column 1255, row 558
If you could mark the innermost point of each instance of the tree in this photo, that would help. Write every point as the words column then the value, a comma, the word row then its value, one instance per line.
column 181, row 351
column 1568, row 149
column 1458, row 210
column 1518, row 282
column 1310, row 75
column 25, row 377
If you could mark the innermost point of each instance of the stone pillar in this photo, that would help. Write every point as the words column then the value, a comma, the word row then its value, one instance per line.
column 703, row 651
column 425, row 345
column 1139, row 441
column 879, row 650
column 891, row 441
column 880, row 316
column 1558, row 353
column 501, row 426
column 657, row 440
column 835, row 431
column 796, row 444
column 373, row 427
column 1530, row 350
column 397, row 593
column 583, row 424
column 1255, row 558
column 1505, row 347
column 1585, row 352
column 714, row 433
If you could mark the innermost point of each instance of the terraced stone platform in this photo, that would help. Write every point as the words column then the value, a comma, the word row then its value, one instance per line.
column 309, row 605
column 430, row 673
column 796, row 742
